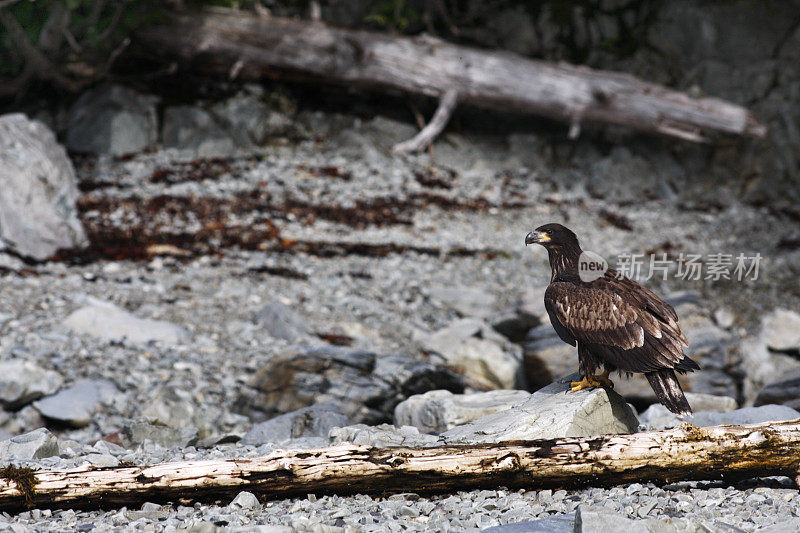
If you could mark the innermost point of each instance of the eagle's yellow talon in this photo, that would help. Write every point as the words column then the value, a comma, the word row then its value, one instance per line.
column 591, row 381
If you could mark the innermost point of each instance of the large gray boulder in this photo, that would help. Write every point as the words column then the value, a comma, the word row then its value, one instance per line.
column 439, row 410
column 484, row 355
column 550, row 413
column 108, row 322
column 38, row 190
column 112, row 119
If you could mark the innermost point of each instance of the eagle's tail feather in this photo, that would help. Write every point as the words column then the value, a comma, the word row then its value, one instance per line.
column 669, row 391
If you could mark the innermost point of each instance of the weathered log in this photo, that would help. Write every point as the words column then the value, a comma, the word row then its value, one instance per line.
column 216, row 41
column 687, row 453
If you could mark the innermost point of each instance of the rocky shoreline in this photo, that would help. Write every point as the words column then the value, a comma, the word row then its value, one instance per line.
column 193, row 333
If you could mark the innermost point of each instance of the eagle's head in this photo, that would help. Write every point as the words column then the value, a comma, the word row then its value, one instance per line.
column 552, row 236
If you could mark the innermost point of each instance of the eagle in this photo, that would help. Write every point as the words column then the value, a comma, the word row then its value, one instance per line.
column 616, row 323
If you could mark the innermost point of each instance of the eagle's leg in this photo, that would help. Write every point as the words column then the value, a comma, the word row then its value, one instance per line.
column 591, row 380
column 604, row 380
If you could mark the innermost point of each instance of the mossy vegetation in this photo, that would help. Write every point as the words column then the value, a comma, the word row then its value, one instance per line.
column 24, row 478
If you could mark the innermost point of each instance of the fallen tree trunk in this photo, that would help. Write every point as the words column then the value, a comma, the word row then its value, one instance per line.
column 239, row 44
column 686, row 453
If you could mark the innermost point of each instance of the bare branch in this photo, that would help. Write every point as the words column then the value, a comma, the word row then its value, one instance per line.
column 38, row 64
column 429, row 133
column 112, row 25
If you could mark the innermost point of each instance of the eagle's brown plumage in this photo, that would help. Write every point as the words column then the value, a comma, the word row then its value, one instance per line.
column 616, row 323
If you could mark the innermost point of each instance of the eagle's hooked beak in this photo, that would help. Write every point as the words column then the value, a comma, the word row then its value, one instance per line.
column 536, row 237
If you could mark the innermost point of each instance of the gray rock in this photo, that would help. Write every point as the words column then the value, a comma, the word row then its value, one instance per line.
column 381, row 436
column 747, row 415
column 251, row 121
column 724, row 317
column 112, row 120
column 785, row 392
column 552, row 413
column 21, row 382
column 658, row 417
column 34, row 167
column 135, row 433
column 483, row 354
column 762, row 366
column 546, row 356
column 781, row 330
column 364, row 386
column 192, row 128
column 245, row 500
column 439, row 410
column 792, row 525
column 76, row 404
column 466, row 301
column 554, row 524
column 172, row 406
column 313, row 421
column 282, row 322
column 514, row 322
column 601, row 520
column 110, row 323
column 33, row 445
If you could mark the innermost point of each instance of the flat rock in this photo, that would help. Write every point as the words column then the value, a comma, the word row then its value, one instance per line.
column 313, row 421
column 135, row 432
column 780, row 330
column 466, row 301
column 552, row 413
column 76, row 404
column 747, row 415
column 658, row 417
column 600, row 520
column 21, row 382
column 34, row 167
column 364, row 386
column 110, row 323
column 439, row 410
column 381, row 436
column 481, row 353
column 112, row 119
column 554, row 524
column 281, row 322
column 36, row 444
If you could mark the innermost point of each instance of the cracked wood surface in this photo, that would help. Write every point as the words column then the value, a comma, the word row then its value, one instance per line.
column 217, row 41
column 687, row 453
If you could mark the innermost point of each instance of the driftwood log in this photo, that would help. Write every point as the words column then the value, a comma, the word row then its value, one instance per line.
column 239, row 44
column 687, row 453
